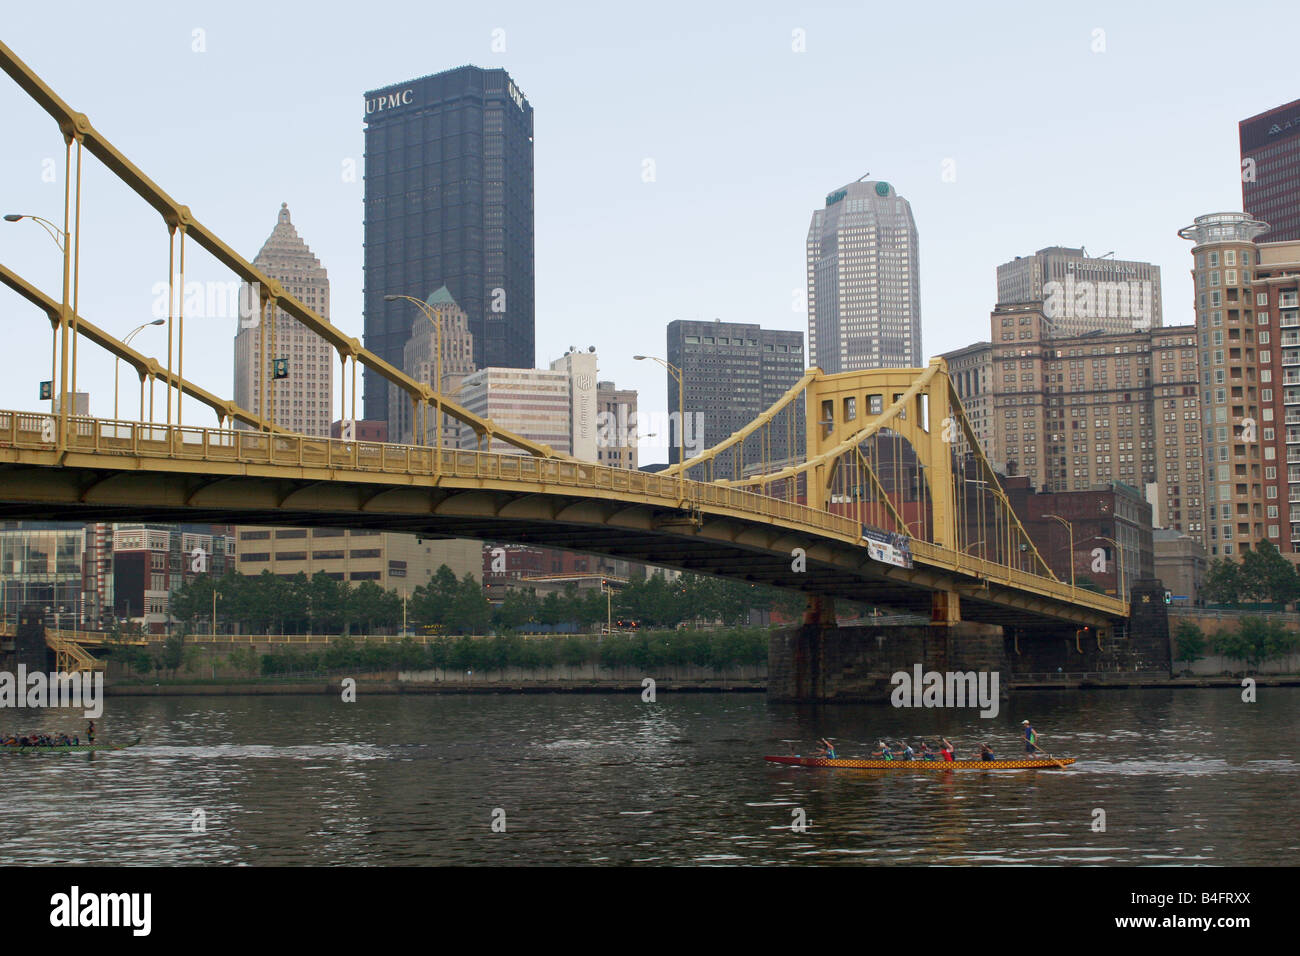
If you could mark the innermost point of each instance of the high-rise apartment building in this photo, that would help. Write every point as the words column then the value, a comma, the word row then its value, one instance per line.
column 1276, row 288
column 1082, row 293
column 1076, row 412
column 1270, row 170
column 301, row 400
column 616, row 426
column 731, row 373
column 864, row 296
column 1233, row 415
column 449, row 201
column 450, row 325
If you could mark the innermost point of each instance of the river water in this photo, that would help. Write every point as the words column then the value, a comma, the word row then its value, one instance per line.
column 1183, row 777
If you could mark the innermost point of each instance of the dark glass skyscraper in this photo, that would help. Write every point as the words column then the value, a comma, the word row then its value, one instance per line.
column 449, row 201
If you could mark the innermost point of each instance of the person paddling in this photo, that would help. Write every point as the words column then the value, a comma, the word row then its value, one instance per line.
column 884, row 753
column 90, row 732
column 948, row 752
column 986, row 753
column 827, row 749
column 1031, row 739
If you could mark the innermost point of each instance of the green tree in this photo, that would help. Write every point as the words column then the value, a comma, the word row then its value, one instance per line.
column 1222, row 584
column 1267, row 576
column 470, row 612
column 1190, row 641
column 1255, row 641
column 173, row 653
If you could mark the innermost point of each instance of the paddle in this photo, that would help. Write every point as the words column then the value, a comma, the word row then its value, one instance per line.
column 1047, row 755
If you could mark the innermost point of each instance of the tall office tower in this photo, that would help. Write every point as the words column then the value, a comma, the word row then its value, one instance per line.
column 1070, row 413
column 616, row 426
column 419, row 361
column 1277, row 319
column 449, row 201
column 864, row 294
column 1224, row 258
column 302, row 401
column 1082, row 293
column 1270, row 170
column 731, row 373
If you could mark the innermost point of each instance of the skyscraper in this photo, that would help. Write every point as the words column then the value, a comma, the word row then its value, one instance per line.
column 864, row 299
column 731, row 373
column 301, row 400
column 449, row 201
column 1270, row 170
column 1082, row 293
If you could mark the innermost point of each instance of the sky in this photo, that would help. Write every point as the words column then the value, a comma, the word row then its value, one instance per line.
column 1007, row 126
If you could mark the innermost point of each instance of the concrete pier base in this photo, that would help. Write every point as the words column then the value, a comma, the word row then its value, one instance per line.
column 822, row 664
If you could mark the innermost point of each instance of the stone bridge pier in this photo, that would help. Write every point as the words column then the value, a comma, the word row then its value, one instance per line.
column 820, row 662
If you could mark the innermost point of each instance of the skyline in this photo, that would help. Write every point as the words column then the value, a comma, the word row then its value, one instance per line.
column 700, row 240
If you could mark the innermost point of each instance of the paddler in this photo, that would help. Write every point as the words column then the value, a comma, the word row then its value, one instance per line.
column 947, row 750
column 884, row 753
column 827, row 749
column 1031, row 739
column 90, row 733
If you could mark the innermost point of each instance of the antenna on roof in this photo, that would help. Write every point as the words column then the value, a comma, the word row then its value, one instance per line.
column 864, row 175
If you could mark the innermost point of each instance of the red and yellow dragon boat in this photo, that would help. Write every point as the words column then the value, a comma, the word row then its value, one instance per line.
column 928, row 766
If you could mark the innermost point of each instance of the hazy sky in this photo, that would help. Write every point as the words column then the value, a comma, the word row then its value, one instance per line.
column 1107, row 125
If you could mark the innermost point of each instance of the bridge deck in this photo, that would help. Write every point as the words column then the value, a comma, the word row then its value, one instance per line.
column 120, row 470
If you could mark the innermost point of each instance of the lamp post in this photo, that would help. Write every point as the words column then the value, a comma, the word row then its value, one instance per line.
column 117, row 361
column 436, row 319
column 216, row 596
column 676, row 373
column 60, row 239
column 54, row 231
column 1069, row 528
column 1120, row 552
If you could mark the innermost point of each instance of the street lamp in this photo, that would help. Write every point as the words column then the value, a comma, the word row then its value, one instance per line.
column 1120, row 552
column 437, row 323
column 54, row 231
column 676, row 373
column 216, row 596
column 117, row 363
column 1070, row 528
column 60, row 239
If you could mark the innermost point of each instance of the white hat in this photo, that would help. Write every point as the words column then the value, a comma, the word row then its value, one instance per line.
column 1024, row 721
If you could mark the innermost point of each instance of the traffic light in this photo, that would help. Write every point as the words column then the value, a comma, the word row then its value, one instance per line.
column 279, row 368
column 1169, row 597
column 47, row 391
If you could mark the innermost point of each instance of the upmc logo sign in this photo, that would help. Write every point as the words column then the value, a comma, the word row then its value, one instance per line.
column 389, row 101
